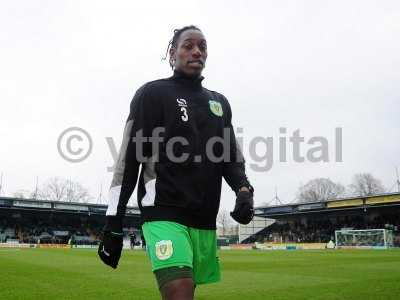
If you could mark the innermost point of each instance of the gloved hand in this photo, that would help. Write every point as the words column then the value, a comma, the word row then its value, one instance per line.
column 110, row 246
column 244, row 208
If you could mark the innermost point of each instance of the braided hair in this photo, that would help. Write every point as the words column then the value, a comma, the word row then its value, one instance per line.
column 173, row 43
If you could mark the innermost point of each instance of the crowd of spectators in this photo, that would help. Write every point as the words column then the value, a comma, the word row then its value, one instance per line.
column 45, row 233
column 82, row 232
column 323, row 230
column 60, row 230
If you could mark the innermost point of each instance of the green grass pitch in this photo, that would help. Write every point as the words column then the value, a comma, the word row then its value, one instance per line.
column 287, row 275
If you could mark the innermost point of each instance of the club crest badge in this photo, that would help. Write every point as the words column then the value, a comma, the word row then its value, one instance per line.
column 164, row 249
column 216, row 108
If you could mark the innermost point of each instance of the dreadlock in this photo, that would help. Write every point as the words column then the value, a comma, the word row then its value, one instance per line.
column 173, row 43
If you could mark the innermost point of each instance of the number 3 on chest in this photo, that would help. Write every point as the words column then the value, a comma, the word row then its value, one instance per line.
column 183, row 105
column 185, row 116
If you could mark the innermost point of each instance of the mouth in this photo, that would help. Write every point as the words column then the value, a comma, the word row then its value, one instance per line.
column 196, row 63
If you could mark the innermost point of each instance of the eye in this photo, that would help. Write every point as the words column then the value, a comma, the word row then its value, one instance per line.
column 188, row 46
column 203, row 47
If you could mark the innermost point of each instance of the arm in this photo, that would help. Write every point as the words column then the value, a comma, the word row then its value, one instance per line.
column 141, row 119
column 126, row 169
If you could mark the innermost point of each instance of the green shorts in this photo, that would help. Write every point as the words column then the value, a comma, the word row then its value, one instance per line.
column 171, row 244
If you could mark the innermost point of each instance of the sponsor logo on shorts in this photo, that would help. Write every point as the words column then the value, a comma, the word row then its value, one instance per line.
column 164, row 249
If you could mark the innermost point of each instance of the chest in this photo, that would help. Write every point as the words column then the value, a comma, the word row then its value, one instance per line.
column 196, row 112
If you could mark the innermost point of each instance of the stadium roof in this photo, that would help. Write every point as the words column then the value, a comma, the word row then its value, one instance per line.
column 364, row 202
column 59, row 206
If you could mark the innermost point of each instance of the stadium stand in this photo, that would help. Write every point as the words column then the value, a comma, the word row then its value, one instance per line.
column 31, row 221
column 320, row 231
column 316, row 222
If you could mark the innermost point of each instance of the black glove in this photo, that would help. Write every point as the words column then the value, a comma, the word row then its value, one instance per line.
column 110, row 246
column 244, row 210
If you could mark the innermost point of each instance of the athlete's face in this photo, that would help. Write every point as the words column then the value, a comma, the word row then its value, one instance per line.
column 190, row 54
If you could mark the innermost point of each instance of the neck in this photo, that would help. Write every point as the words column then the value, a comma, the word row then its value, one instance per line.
column 190, row 81
column 188, row 76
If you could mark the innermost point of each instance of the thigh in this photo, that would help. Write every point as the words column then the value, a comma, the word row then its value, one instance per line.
column 178, row 289
column 168, row 244
column 206, row 267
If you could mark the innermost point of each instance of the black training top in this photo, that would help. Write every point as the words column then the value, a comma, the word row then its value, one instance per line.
column 191, row 147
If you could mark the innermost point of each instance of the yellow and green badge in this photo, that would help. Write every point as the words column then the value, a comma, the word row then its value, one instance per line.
column 216, row 108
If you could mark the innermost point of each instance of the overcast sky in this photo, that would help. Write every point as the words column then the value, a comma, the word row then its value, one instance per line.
column 307, row 65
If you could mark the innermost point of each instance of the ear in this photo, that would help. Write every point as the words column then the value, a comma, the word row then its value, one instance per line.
column 172, row 52
column 172, row 56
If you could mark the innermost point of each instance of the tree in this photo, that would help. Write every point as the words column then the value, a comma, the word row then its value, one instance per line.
column 319, row 189
column 54, row 189
column 224, row 221
column 61, row 189
column 77, row 193
column 364, row 184
column 23, row 194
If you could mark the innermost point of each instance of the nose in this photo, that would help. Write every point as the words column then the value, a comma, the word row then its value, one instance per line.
column 196, row 52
